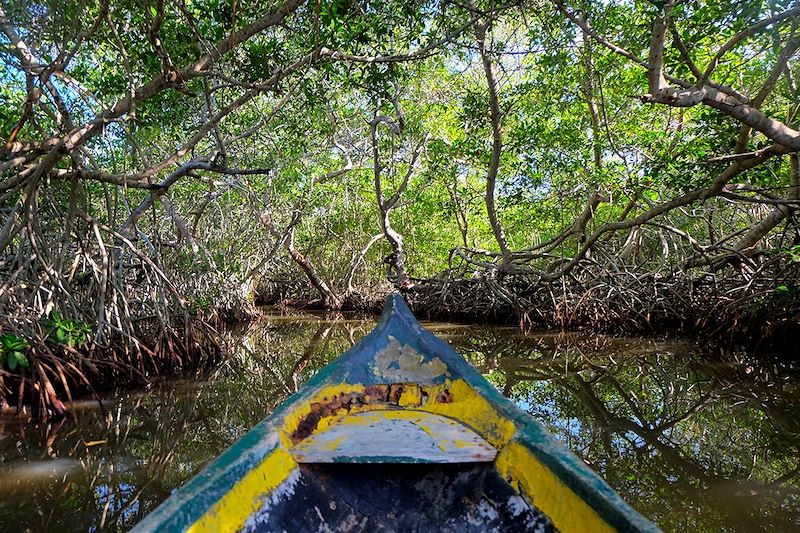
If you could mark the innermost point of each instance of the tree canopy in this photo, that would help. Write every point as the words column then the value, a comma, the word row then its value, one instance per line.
column 162, row 156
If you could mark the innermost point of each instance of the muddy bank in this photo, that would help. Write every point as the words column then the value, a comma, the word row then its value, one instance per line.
column 757, row 321
column 761, row 315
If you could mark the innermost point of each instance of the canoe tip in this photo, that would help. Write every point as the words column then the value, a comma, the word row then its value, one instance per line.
column 395, row 303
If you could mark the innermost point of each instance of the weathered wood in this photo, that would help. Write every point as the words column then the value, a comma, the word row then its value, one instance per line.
column 395, row 437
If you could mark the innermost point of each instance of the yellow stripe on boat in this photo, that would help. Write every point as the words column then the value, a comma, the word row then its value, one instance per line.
column 457, row 399
column 247, row 495
column 454, row 399
column 547, row 492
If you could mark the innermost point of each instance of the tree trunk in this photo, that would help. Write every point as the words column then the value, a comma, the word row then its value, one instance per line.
column 396, row 268
column 329, row 298
column 497, row 143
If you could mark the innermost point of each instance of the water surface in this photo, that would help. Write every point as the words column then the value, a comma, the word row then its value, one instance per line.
column 692, row 444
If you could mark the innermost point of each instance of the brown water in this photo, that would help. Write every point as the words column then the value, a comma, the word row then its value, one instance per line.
column 693, row 445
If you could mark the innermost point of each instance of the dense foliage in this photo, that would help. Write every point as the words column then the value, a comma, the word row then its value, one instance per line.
column 163, row 157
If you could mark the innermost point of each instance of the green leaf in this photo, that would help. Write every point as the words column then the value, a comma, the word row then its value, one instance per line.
column 22, row 360
column 14, row 343
column 20, row 344
column 11, row 361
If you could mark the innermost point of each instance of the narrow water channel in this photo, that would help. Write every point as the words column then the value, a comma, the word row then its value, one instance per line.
column 692, row 444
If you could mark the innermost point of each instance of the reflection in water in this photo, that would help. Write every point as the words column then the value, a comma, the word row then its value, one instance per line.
column 691, row 444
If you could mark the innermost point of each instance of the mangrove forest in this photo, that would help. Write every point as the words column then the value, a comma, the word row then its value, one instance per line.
column 169, row 166
column 204, row 202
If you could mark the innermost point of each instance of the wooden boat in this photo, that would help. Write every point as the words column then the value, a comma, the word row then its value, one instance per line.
column 400, row 433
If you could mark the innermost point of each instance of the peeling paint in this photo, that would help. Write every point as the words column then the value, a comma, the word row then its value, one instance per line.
column 394, row 436
column 338, row 404
column 401, row 362
column 517, row 505
column 322, row 407
column 284, row 491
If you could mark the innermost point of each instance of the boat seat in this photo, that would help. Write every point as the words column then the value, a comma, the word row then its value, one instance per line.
column 394, row 436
